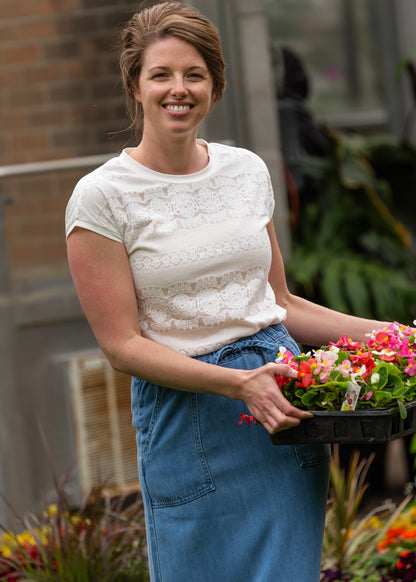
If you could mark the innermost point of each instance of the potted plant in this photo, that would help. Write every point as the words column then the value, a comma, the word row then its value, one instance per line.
column 359, row 392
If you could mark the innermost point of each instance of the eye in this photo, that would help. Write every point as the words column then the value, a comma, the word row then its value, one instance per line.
column 160, row 76
column 195, row 77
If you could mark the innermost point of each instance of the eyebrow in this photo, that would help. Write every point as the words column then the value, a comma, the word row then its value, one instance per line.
column 192, row 68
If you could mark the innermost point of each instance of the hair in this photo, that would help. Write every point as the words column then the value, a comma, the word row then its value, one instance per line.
column 156, row 23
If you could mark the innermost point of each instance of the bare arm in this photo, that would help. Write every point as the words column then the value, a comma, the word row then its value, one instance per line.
column 308, row 322
column 102, row 276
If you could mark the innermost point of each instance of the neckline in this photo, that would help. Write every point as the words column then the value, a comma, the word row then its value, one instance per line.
column 137, row 166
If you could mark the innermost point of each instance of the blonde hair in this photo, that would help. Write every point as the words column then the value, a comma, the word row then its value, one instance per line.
column 158, row 22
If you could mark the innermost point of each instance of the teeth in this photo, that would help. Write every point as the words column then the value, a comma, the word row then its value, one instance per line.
column 178, row 107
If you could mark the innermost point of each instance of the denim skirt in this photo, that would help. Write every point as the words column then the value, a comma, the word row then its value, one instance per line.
column 221, row 502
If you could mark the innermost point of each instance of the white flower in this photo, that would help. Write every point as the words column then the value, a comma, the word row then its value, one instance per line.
column 384, row 352
column 281, row 354
column 375, row 377
column 360, row 372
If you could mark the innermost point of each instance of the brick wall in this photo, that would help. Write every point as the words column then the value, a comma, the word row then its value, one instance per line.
column 60, row 97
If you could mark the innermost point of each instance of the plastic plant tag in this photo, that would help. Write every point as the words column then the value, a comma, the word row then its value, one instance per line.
column 351, row 396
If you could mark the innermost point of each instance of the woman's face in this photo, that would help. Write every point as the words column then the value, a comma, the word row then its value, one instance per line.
column 175, row 88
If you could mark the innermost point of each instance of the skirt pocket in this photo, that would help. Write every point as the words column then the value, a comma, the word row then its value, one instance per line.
column 173, row 463
column 311, row 455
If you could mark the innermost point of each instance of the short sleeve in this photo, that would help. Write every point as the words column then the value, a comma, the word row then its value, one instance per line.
column 88, row 208
column 270, row 200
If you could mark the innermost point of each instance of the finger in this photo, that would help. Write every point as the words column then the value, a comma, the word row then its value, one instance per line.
column 273, row 425
column 282, row 370
column 288, row 409
column 278, row 419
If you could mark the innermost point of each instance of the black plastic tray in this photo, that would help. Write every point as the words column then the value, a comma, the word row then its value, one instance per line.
column 354, row 427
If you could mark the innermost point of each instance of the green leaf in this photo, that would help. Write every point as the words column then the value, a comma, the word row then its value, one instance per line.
column 394, row 383
column 400, row 391
column 403, row 409
column 382, row 398
column 309, row 398
column 381, row 370
column 412, row 447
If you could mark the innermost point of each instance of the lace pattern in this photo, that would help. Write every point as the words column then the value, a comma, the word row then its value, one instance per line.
column 197, row 244
column 208, row 301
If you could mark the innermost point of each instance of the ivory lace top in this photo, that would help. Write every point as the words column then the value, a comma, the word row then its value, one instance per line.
column 197, row 244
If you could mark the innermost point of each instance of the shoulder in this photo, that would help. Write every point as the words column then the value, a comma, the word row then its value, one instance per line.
column 95, row 198
column 237, row 155
column 104, row 185
column 111, row 172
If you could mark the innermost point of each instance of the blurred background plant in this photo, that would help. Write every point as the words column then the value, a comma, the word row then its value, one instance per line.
column 379, row 546
column 352, row 233
column 103, row 541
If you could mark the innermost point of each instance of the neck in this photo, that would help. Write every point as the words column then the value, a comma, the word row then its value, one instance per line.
column 177, row 156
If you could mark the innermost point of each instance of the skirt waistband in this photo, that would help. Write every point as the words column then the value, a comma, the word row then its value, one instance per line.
column 270, row 339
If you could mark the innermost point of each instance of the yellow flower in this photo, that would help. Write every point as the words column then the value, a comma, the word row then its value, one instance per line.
column 5, row 550
column 374, row 523
column 51, row 510
column 25, row 538
column 7, row 538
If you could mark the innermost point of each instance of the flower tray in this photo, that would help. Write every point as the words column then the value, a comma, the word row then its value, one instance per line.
column 353, row 427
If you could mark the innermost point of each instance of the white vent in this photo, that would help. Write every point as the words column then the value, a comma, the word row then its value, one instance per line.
column 104, row 437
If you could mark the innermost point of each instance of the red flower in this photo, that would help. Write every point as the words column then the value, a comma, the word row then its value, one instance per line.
column 388, row 356
column 364, row 359
column 305, row 373
column 382, row 338
column 283, row 380
column 247, row 418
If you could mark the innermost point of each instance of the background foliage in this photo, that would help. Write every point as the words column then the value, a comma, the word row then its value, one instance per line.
column 353, row 225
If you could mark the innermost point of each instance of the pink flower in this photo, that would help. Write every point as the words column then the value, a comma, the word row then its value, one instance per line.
column 411, row 368
column 345, row 368
column 346, row 343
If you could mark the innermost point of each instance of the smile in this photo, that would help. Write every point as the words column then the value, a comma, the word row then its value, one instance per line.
column 178, row 107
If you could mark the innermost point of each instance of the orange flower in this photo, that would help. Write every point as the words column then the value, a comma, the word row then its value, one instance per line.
column 391, row 538
column 409, row 534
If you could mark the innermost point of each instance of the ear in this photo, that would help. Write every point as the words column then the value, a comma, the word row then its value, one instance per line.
column 136, row 94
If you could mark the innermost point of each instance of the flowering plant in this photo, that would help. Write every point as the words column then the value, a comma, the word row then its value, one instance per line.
column 377, row 547
column 103, row 540
column 375, row 374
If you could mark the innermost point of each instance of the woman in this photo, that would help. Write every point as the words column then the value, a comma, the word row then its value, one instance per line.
column 175, row 260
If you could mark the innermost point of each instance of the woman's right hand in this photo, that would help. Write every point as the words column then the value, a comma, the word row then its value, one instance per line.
column 265, row 400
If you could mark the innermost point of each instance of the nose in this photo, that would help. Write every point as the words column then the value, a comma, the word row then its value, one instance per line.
column 178, row 88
